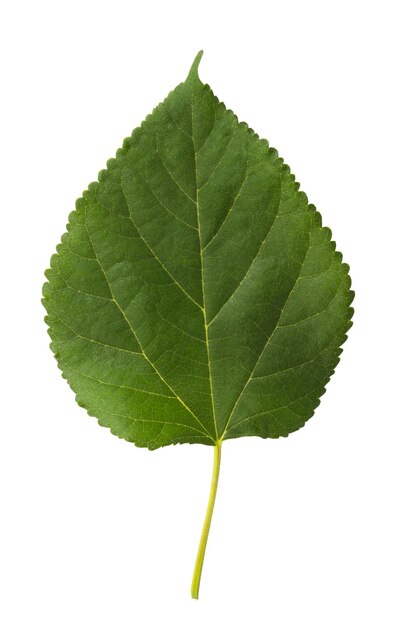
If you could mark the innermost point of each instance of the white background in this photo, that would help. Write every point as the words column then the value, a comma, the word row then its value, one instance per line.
column 318, row 529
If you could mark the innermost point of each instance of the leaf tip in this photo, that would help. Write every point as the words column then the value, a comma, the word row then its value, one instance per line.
column 193, row 73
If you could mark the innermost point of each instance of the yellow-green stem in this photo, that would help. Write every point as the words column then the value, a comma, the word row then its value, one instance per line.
column 195, row 585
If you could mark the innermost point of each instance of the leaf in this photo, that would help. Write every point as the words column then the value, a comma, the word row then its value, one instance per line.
column 196, row 296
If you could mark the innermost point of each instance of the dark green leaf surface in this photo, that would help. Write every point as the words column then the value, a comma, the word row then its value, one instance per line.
column 196, row 296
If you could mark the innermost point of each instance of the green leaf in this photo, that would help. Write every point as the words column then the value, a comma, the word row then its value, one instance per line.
column 196, row 296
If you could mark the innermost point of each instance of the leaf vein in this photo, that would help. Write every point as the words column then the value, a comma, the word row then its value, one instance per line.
column 247, row 271
column 137, row 339
column 103, row 382
column 202, row 273
column 152, row 251
column 294, row 367
column 287, row 406
column 100, row 343
column 218, row 163
column 172, row 176
column 165, row 207
column 268, row 341
column 229, row 210
column 146, row 421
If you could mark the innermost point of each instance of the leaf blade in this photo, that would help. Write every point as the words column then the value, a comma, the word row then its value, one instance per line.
column 197, row 254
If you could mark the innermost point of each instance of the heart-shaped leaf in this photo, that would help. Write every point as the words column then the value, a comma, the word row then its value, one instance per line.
column 196, row 296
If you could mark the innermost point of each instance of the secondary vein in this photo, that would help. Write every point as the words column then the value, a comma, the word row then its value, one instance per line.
column 137, row 339
column 266, row 344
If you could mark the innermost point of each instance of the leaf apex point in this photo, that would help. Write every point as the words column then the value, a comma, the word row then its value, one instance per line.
column 193, row 73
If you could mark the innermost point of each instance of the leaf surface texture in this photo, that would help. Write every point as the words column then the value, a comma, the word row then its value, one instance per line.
column 195, row 296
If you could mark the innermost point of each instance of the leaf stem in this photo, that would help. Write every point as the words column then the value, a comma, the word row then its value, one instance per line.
column 195, row 585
